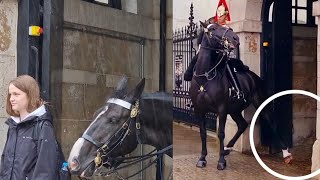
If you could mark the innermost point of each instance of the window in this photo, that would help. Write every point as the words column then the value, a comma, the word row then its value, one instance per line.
column 270, row 13
column 302, row 13
column 111, row 3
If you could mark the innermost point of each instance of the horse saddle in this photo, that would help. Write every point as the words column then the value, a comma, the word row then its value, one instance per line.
column 237, row 65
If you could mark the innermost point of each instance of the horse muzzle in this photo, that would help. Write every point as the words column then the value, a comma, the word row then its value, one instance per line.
column 74, row 166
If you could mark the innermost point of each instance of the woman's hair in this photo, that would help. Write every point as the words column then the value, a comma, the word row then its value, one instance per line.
column 30, row 86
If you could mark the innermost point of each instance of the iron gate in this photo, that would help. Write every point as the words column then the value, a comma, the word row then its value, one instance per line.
column 184, row 48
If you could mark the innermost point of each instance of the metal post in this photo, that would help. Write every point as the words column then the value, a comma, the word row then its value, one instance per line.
column 52, row 53
column 28, row 46
column 163, row 28
column 159, row 167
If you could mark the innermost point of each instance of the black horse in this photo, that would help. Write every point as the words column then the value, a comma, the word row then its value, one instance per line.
column 126, row 120
column 210, row 90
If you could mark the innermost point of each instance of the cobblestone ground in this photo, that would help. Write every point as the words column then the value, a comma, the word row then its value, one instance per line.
column 187, row 148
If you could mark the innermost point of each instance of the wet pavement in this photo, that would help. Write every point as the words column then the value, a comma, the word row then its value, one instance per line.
column 187, row 149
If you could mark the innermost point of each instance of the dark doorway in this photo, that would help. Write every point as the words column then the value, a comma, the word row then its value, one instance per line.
column 276, row 66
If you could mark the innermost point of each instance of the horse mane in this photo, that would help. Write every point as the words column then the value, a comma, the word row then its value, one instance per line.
column 159, row 95
column 156, row 107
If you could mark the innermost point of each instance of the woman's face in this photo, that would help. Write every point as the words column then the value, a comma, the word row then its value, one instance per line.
column 18, row 99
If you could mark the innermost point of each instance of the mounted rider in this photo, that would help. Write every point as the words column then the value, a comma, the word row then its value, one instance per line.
column 222, row 17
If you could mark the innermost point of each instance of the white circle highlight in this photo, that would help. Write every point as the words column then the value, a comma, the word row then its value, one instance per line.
column 253, row 148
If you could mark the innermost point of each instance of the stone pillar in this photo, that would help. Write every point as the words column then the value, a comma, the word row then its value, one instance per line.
column 8, row 57
column 246, row 22
column 316, row 146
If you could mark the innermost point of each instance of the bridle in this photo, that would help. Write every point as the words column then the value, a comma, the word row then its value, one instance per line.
column 224, row 42
column 105, row 149
column 224, row 52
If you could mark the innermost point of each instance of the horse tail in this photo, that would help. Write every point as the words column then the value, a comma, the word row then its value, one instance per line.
column 259, row 84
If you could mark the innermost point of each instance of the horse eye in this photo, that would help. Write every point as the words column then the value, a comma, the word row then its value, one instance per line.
column 234, row 37
column 112, row 120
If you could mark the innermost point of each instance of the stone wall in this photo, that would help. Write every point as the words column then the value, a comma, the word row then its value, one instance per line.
column 304, row 78
column 8, row 57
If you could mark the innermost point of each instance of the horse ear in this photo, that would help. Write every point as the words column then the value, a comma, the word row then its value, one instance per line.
column 203, row 24
column 121, row 88
column 136, row 93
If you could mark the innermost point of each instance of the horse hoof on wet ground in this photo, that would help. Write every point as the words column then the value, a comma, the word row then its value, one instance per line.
column 288, row 159
column 221, row 165
column 201, row 164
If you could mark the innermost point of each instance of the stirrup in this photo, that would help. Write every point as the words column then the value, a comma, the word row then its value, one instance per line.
column 232, row 92
column 236, row 94
column 240, row 95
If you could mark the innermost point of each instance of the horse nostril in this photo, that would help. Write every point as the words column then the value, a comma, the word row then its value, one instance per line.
column 74, row 165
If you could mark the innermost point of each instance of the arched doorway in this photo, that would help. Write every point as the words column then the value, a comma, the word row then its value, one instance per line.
column 288, row 61
column 277, row 63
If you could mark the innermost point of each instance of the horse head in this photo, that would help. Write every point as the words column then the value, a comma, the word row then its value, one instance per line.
column 112, row 132
column 219, row 37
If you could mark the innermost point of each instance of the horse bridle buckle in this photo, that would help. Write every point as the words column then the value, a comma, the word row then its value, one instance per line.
column 135, row 110
column 125, row 126
column 98, row 160
column 137, row 125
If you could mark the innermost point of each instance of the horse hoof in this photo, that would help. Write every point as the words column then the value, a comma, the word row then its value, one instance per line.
column 288, row 159
column 221, row 165
column 201, row 164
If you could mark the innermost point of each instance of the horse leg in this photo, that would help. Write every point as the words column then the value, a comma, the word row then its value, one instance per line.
column 257, row 101
column 222, row 122
column 203, row 134
column 242, row 126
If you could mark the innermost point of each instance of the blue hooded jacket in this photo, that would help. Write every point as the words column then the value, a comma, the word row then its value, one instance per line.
column 24, row 158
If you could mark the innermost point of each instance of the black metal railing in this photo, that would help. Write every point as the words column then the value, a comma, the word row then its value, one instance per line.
column 184, row 48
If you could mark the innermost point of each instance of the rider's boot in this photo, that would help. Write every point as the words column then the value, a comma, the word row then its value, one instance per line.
column 236, row 85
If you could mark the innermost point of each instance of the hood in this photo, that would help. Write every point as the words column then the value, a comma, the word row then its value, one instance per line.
column 36, row 113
